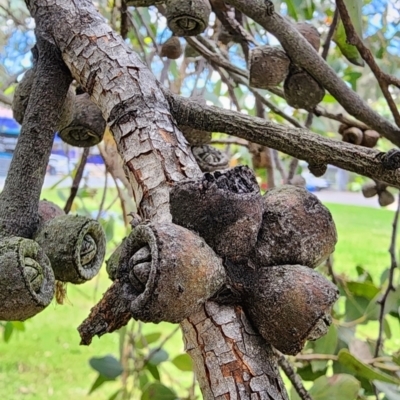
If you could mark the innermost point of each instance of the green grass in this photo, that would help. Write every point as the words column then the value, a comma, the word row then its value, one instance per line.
column 363, row 239
column 46, row 361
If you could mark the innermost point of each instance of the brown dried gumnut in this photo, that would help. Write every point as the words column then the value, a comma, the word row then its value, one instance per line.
column 311, row 34
column 385, row 198
column 268, row 66
column 353, row 135
column 370, row 138
column 187, row 18
column 172, row 48
column 224, row 207
column 302, row 91
column 317, row 169
column 195, row 137
column 172, row 272
column 48, row 210
column 342, row 128
column 290, row 304
column 296, row 229
column 369, row 189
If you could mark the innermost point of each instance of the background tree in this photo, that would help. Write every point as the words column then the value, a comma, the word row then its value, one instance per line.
column 230, row 41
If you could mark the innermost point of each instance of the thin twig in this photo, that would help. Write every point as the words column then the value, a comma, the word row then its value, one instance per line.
column 238, row 142
column 390, row 287
column 278, row 165
column 344, row 119
column 294, row 378
column 77, row 180
column 327, row 44
column 103, row 197
column 383, row 79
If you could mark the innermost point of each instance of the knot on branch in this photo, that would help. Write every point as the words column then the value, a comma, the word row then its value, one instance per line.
column 26, row 279
column 225, row 208
column 187, row 18
column 75, row 246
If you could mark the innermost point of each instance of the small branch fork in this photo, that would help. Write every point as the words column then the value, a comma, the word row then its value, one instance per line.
column 384, row 80
column 390, row 287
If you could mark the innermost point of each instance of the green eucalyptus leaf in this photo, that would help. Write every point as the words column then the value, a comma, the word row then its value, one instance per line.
column 183, row 362
column 107, row 366
column 158, row 357
column 158, row 391
column 354, row 8
column 337, row 387
column 363, row 370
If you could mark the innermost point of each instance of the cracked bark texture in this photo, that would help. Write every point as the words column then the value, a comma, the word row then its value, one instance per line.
column 297, row 142
column 156, row 155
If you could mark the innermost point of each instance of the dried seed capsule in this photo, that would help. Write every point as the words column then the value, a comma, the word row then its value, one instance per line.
column 353, row 135
column 311, row 34
column 183, row 272
column 385, row 198
column 303, row 91
column 26, row 279
column 317, row 169
column 370, row 138
column 172, row 48
column 289, row 304
column 268, row 66
column 369, row 190
column 187, row 18
column 75, row 245
column 296, row 229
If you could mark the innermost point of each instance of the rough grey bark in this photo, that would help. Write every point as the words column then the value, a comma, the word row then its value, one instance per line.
column 156, row 155
column 297, row 142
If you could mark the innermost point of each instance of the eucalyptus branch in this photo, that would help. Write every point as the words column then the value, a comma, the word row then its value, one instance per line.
column 19, row 210
column 304, row 55
column 383, row 79
column 344, row 119
column 5, row 99
column 390, row 287
column 299, row 143
column 237, row 142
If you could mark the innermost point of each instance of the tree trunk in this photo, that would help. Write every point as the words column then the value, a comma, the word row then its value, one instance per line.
column 231, row 361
